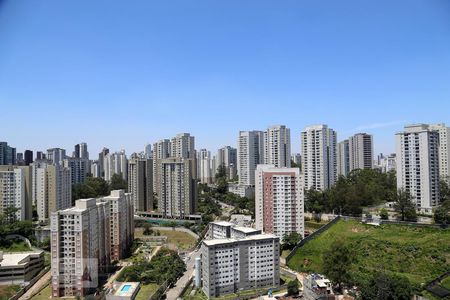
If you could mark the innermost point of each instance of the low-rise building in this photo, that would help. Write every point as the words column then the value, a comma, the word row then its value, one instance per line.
column 237, row 264
column 241, row 190
column 20, row 267
column 317, row 287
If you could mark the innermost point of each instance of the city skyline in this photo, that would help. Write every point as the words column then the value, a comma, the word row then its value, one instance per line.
column 127, row 76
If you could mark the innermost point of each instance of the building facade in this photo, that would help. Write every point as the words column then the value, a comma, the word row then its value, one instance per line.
column 235, row 265
column 250, row 153
column 319, row 161
column 279, row 201
column 360, row 151
column 176, row 187
column 140, row 182
column 277, row 146
column 227, row 157
column 116, row 163
column 343, row 158
column 417, row 153
column 444, row 150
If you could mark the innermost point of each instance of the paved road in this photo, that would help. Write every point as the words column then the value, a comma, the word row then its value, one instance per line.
column 43, row 281
column 175, row 292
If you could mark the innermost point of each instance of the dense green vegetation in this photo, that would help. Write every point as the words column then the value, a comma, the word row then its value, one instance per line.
column 416, row 254
column 9, row 226
column 96, row 187
column 165, row 265
column 290, row 240
column 361, row 188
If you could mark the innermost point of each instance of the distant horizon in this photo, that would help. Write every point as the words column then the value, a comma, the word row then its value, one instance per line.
column 122, row 76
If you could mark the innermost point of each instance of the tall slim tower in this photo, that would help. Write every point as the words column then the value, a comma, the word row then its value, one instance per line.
column 319, row 161
column 444, row 150
column 417, row 154
column 250, row 153
column 360, row 151
column 140, row 182
column 277, row 150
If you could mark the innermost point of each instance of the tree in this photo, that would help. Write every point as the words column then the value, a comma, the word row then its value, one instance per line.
column 387, row 286
column 337, row 262
column 442, row 213
column 118, row 183
column 10, row 214
column 221, row 179
column 384, row 215
column 290, row 240
column 93, row 187
column 444, row 190
column 404, row 205
column 147, row 229
column 293, row 287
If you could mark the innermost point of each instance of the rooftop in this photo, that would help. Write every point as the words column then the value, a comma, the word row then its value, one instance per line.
column 256, row 237
column 17, row 258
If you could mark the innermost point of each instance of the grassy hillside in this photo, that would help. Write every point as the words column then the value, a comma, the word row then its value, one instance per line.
column 419, row 253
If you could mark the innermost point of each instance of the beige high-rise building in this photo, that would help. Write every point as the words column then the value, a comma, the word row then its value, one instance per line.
column 444, row 150
column 176, row 187
column 227, row 156
column 183, row 146
column 86, row 239
column 51, row 188
column 360, row 151
column 122, row 222
column 140, row 182
column 77, row 239
column 277, row 146
column 417, row 155
column 343, row 158
column 319, row 161
column 279, row 200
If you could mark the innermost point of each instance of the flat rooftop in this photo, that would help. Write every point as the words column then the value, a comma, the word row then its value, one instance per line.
column 255, row 237
column 222, row 223
column 246, row 229
column 17, row 258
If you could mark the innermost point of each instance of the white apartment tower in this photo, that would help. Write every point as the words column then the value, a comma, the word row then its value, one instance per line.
column 444, row 150
column 250, row 153
column 360, row 151
column 319, row 163
column 175, row 186
column 227, row 156
column 12, row 191
column 277, row 146
column 417, row 153
column 116, row 163
column 238, row 264
column 204, row 166
column 279, row 200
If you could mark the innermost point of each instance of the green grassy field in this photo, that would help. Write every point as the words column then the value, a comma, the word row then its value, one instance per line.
column 44, row 294
column 182, row 240
column 146, row 291
column 419, row 253
column 7, row 291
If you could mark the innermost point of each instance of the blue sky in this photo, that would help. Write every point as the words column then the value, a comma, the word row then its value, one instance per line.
column 124, row 73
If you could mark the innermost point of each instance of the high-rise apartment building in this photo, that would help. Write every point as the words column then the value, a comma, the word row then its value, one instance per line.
column 116, row 163
column 183, row 146
column 77, row 239
column 319, row 163
column 140, row 182
column 238, row 264
column 81, row 151
column 122, row 222
column 360, row 151
column 101, row 162
column 204, row 166
column 250, row 153
column 7, row 154
column 86, row 238
column 79, row 168
column 227, row 157
column 56, row 155
column 343, row 158
column 279, row 200
column 417, row 153
column 12, row 191
column 148, row 151
column 176, row 187
column 277, row 146
column 444, row 150
column 28, row 157
column 51, row 188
